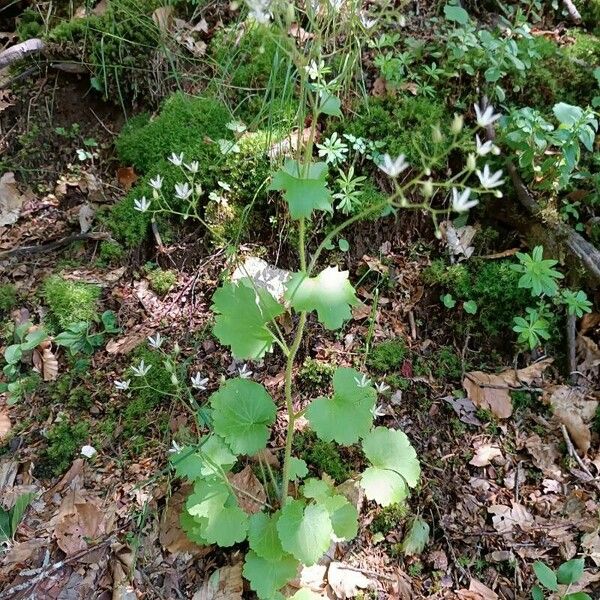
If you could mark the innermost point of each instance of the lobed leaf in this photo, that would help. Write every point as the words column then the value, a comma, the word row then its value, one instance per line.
column 268, row 576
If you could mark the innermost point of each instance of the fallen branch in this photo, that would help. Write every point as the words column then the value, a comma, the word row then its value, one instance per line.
column 39, row 248
column 587, row 253
column 20, row 51
column 572, row 10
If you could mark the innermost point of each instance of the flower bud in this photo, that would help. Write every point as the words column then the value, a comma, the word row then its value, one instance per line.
column 174, row 380
column 437, row 136
column 438, row 234
column 290, row 14
column 427, row 171
column 428, row 189
column 498, row 194
column 457, row 124
column 471, row 162
column 176, row 349
column 496, row 150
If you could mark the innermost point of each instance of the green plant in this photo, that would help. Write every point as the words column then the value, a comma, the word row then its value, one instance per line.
column 64, row 444
column 322, row 457
column 8, row 297
column 80, row 338
column 70, row 301
column 26, row 339
column 316, row 373
column 389, row 518
column 567, row 575
column 10, row 519
column 162, row 281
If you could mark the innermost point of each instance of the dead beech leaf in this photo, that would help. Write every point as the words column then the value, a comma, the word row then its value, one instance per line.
column 506, row 518
column 590, row 542
column 79, row 521
column 5, row 423
column 300, row 33
column 125, row 344
column 379, row 88
column 588, row 356
column 249, row 490
column 545, row 456
column 224, row 584
column 465, row 409
column 11, row 199
column 347, row 582
column 491, row 391
column 574, row 409
column 86, row 217
column 49, row 365
column 126, row 176
column 484, row 455
column 477, row 591
column 163, row 17
column 289, row 144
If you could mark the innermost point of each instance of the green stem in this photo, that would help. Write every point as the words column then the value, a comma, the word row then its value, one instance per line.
column 290, row 406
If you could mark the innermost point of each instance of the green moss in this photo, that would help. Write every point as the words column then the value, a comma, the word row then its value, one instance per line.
column 316, row 374
column 389, row 518
column 111, row 253
column 64, row 444
column 446, row 364
column 396, row 382
column 162, row 281
column 69, row 301
column 9, row 298
column 590, row 15
column 69, row 391
column 29, row 24
column 493, row 285
column 387, row 356
column 322, row 457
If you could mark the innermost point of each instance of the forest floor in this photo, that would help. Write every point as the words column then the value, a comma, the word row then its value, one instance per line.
column 507, row 437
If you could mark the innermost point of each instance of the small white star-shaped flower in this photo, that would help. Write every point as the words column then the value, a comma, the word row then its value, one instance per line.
column 155, row 341
column 378, row 411
column 122, row 385
column 393, row 166
column 142, row 369
column 199, row 382
column 244, row 372
column 175, row 448
column 193, row 167
column 183, row 191
column 382, row 387
column 488, row 179
column 485, row 117
column 176, row 159
column 156, row 183
column 363, row 381
column 461, row 202
column 142, row 205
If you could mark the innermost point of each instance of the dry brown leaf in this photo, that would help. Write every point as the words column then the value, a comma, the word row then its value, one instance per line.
column 127, row 343
column 86, row 217
column 491, row 391
column 20, row 553
column 11, row 199
column 545, row 456
column 484, row 455
column 459, row 239
column 300, row 33
column 379, row 88
column 79, row 521
column 5, row 423
column 347, row 582
column 505, row 518
column 289, row 144
column 224, row 584
column 163, row 17
column 249, row 490
column 574, row 409
column 477, row 591
column 590, row 542
column 439, row 560
column 126, row 176
column 588, row 356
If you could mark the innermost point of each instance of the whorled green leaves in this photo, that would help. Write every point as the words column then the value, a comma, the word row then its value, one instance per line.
column 329, row 293
column 243, row 411
column 347, row 416
column 304, row 187
column 242, row 318
column 395, row 467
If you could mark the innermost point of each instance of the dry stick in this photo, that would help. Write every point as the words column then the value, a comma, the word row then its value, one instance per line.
column 587, row 253
column 572, row 10
column 19, row 51
column 571, row 346
column 573, row 454
column 37, row 249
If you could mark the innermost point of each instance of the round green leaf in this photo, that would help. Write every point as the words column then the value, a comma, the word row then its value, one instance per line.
column 242, row 414
column 13, row 354
column 456, row 13
column 394, row 468
column 263, row 537
column 213, row 457
column 208, row 498
column 242, row 316
column 344, row 517
column 570, row 571
column 298, row 468
column 304, row 531
column 415, row 541
column 305, row 594
column 268, row 576
column 347, row 416
column 329, row 293
column 226, row 528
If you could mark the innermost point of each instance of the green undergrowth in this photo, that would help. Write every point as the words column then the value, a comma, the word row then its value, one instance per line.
column 323, row 457
column 161, row 280
column 70, row 301
column 387, row 356
column 9, row 298
column 492, row 285
column 65, row 440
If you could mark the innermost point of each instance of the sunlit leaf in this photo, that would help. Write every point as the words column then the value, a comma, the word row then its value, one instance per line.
column 268, row 576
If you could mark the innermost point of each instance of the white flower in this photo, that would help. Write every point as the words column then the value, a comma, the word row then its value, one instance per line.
column 142, row 369
column 245, row 372
column 224, row 185
column 393, row 167
column 259, row 9
column 175, row 448
column 122, row 385
column 378, row 411
column 183, row 191
column 333, row 149
column 193, row 167
column 199, row 382
column 314, row 69
column 156, row 183
column 485, row 117
column 88, row 451
column 461, row 202
column 176, row 159
column 382, row 387
column 142, row 205
column 485, row 148
column 363, row 381
column 367, row 23
column 489, row 180
column 236, row 126
column 155, row 342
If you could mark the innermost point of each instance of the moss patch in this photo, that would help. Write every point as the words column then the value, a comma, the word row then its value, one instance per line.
column 387, row 356
column 69, row 301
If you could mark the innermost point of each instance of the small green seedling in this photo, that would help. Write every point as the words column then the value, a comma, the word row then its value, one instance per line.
column 559, row 582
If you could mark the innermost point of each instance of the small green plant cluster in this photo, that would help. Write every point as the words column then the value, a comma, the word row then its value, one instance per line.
column 559, row 583
column 8, row 298
column 70, row 301
column 161, row 280
column 387, row 356
column 316, row 374
column 389, row 518
column 324, row 458
column 65, row 440
column 540, row 277
column 84, row 337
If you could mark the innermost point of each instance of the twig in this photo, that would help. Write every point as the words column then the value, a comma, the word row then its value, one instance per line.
column 573, row 453
column 572, row 10
column 19, row 51
column 40, row 248
column 413, row 325
column 571, row 346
